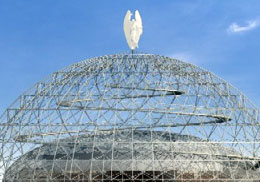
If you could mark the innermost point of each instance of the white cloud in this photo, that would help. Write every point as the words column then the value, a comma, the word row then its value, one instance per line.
column 235, row 28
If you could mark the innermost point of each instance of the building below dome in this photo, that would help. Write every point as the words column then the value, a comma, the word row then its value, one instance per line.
column 131, row 155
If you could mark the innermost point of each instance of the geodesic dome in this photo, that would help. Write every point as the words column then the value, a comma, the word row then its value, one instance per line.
column 130, row 117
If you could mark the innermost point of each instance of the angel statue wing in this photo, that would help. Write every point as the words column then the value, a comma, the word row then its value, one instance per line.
column 133, row 29
column 127, row 28
column 139, row 27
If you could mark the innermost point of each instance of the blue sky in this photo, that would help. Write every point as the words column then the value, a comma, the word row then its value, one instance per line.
column 39, row 37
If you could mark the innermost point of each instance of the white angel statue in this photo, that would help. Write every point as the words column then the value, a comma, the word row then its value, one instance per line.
column 133, row 29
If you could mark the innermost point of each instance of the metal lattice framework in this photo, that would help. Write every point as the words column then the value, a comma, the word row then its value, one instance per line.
column 130, row 117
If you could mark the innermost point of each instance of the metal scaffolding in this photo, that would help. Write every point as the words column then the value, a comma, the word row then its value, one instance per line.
column 130, row 117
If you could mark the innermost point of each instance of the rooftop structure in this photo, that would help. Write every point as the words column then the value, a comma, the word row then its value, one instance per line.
column 130, row 117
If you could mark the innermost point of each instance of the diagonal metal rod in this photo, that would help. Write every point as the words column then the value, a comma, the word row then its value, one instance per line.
column 24, row 137
column 69, row 102
column 157, row 111
column 174, row 92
